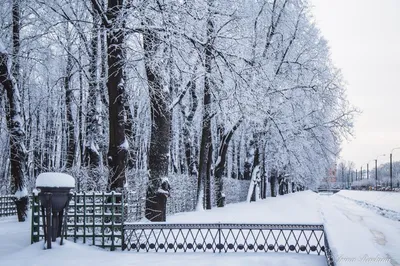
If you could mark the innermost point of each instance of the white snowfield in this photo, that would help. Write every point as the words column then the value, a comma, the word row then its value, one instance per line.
column 357, row 236
column 55, row 180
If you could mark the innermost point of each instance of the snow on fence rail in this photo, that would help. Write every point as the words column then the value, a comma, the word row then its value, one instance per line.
column 224, row 237
column 7, row 206
column 94, row 218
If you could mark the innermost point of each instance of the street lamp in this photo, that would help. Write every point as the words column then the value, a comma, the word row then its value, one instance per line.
column 391, row 168
column 368, row 169
column 376, row 171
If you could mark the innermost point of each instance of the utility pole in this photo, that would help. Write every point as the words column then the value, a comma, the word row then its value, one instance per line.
column 376, row 174
column 391, row 172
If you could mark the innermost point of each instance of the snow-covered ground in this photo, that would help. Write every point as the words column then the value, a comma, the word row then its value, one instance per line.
column 357, row 236
column 385, row 200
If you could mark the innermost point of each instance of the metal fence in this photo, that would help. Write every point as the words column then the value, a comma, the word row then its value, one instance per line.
column 7, row 206
column 94, row 218
column 224, row 237
column 98, row 219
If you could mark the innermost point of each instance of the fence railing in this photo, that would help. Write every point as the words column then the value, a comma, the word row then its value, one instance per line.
column 94, row 218
column 98, row 219
column 223, row 237
column 7, row 206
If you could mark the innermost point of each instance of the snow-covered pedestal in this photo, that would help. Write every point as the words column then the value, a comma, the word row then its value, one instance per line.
column 54, row 197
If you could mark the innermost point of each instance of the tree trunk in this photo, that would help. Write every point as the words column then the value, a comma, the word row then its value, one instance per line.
column 273, row 178
column 249, row 164
column 238, row 160
column 188, row 143
column 16, row 139
column 255, row 167
column 160, row 134
column 221, row 162
column 203, row 185
column 118, row 148
column 92, row 150
column 69, row 96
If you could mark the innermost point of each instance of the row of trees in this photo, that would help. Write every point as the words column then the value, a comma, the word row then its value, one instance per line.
column 207, row 88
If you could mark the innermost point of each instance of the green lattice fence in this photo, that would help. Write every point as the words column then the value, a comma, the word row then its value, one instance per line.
column 93, row 218
column 7, row 206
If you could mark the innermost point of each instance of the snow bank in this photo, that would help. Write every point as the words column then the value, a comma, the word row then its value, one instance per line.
column 55, row 180
column 385, row 200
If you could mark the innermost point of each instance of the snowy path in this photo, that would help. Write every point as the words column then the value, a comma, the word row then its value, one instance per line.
column 359, row 236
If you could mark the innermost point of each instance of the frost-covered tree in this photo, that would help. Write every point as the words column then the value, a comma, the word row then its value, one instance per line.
column 16, row 134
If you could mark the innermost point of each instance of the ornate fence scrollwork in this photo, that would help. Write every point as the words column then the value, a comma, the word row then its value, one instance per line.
column 224, row 237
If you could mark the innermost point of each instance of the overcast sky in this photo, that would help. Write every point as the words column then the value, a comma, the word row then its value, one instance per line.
column 364, row 37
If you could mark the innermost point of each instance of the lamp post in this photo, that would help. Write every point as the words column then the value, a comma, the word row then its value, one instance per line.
column 376, row 171
column 391, row 167
column 368, row 169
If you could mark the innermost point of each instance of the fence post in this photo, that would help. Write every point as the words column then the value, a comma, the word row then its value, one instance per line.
column 103, row 218
column 94, row 219
column 76, row 220
column 219, row 237
column 35, row 221
column 84, row 217
column 112, row 220
column 123, row 209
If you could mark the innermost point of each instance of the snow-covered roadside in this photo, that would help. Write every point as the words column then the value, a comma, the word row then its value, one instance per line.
column 381, row 211
column 358, row 236
column 384, row 200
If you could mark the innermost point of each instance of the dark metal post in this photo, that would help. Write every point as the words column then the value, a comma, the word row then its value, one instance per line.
column 356, row 174
column 376, row 174
column 367, row 172
column 219, row 237
column 391, row 172
column 361, row 174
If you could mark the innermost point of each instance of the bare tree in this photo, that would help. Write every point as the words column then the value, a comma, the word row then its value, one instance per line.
column 16, row 137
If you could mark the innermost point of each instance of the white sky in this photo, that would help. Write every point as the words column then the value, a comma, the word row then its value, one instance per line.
column 364, row 37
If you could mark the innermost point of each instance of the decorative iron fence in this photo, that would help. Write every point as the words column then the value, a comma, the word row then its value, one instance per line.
column 7, row 206
column 98, row 219
column 222, row 237
column 94, row 218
